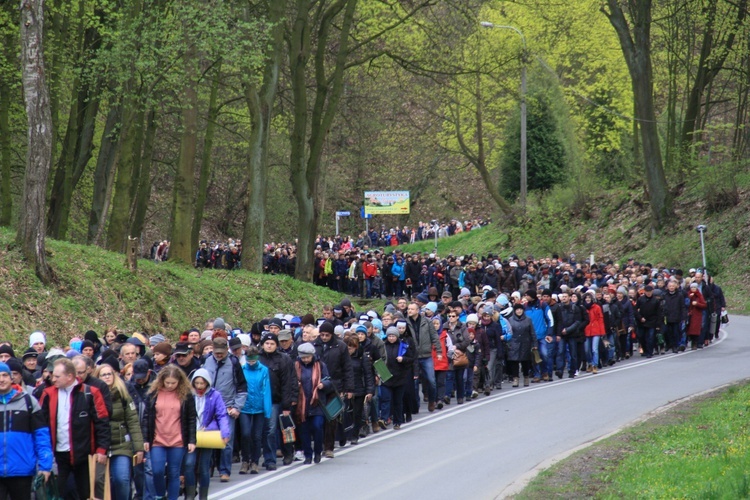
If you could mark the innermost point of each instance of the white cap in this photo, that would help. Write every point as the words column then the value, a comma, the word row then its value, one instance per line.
column 432, row 255
column 245, row 339
column 472, row 318
column 37, row 337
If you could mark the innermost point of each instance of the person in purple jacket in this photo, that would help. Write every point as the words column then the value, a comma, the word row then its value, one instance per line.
column 211, row 416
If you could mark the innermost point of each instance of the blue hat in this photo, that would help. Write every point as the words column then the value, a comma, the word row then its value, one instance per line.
column 4, row 368
column 361, row 328
column 432, row 306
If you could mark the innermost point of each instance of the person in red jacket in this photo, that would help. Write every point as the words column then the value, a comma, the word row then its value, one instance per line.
column 79, row 426
column 695, row 314
column 594, row 331
column 441, row 364
column 370, row 270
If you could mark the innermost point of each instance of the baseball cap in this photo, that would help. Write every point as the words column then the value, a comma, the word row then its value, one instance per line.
column 140, row 369
column 220, row 344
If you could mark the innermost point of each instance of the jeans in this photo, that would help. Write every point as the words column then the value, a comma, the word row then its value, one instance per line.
column 202, row 457
column 166, row 464
column 611, row 349
column 440, row 377
column 392, row 403
column 225, row 462
column 368, row 282
column 547, row 352
column 491, row 366
column 143, row 478
column 427, row 371
column 271, row 432
column 646, row 338
column 119, row 473
column 592, row 350
column 252, row 436
column 309, row 430
column 571, row 345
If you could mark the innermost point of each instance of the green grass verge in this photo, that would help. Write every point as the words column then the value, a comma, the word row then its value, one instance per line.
column 695, row 450
column 705, row 456
column 95, row 291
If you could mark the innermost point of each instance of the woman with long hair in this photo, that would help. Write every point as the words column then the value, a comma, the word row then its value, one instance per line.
column 126, row 448
column 170, row 428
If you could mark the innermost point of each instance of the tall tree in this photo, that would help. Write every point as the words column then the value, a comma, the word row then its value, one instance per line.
column 31, row 227
column 259, row 98
column 634, row 33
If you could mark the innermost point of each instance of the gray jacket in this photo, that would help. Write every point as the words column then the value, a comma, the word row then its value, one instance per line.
column 228, row 379
column 425, row 336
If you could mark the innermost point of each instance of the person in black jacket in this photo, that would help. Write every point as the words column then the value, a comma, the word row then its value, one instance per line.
column 649, row 318
column 398, row 364
column 172, row 435
column 364, row 382
column 284, row 394
column 333, row 352
column 675, row 313
column 569, row 328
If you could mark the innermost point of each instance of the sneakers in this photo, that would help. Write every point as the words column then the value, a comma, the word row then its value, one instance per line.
column 439, row 405
column 254, row 469
column 535, row 380
column 397, row 427
column 559, row 374
column 447, row 400
column 460, row 401
column 224, row 478
column 474, row 395
column 245, row 467
column 515, row 381
column 308, row 460
column 299, row 456
column 270, row 466
column 572, row 375
column 328, row 453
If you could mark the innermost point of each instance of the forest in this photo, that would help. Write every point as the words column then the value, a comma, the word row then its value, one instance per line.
column 254, row 119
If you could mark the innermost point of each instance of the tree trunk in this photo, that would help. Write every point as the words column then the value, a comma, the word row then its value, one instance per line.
column 208, row 144
column 143, row 193
column 307, row 168
column 260, row 107
column 122, row 202
column 6, row 200
column 103, row 172
column 62, row 185
column 636, row 47
column 181, row 248
column 31, row 226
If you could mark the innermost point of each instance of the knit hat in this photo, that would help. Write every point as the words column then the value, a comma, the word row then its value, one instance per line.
column 207, row 334
column 6, row 349
column 622, row 290
column 37, row 337
column 30, row 353
column 432, row 306
column 270, row 336
column 14, row 365
column 4, row 368
column 326, row 327
column 164, row 348
column 202, row 373
column 531, row 293
column 92, row 336
column 87, row 343
column 423, row 298
column 338, row 330
column 360, row 329
column 503, row 300
column 306, row 349
column 518, row 305
column 219, row 324
column 156, row 339
column 245, row 339
column 392, row 330
column 472, row 318
column 200, row 346
column 111, row 361
column 308, row 319
column 464, row 292
column 488, row 309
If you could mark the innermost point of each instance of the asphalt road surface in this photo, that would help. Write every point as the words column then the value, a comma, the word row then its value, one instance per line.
column 483, row 449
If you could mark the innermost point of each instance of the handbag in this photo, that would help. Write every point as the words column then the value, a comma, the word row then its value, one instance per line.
column 286, row 424
column 460, row 359
column 724, row 318
column 348, row 416
column 536, row 358
column 333, row 407
column 46, row 490
column 209, row 439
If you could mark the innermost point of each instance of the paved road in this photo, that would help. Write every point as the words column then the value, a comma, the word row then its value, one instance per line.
column 480, row 449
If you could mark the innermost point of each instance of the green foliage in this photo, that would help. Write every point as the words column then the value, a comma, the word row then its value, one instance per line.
column 548, row 155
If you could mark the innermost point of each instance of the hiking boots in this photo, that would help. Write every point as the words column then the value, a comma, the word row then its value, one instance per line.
column 515, row 381
column 245, row 467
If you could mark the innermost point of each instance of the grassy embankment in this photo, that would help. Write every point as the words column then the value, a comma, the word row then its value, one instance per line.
column 95, row 290
column 695, row 450
column 616, row 227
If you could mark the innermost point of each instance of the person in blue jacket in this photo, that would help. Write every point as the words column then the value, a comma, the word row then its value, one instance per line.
column 256, row 411
column 541, row 317
column 27, row 446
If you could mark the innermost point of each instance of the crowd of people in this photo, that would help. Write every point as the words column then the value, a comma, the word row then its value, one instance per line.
column 281, row 258
column 294, row 387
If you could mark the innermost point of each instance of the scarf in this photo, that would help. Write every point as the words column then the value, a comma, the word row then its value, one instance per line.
column 302, row 401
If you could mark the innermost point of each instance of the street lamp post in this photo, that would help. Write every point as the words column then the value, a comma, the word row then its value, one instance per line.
column 524, row 189
column 702, row 229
